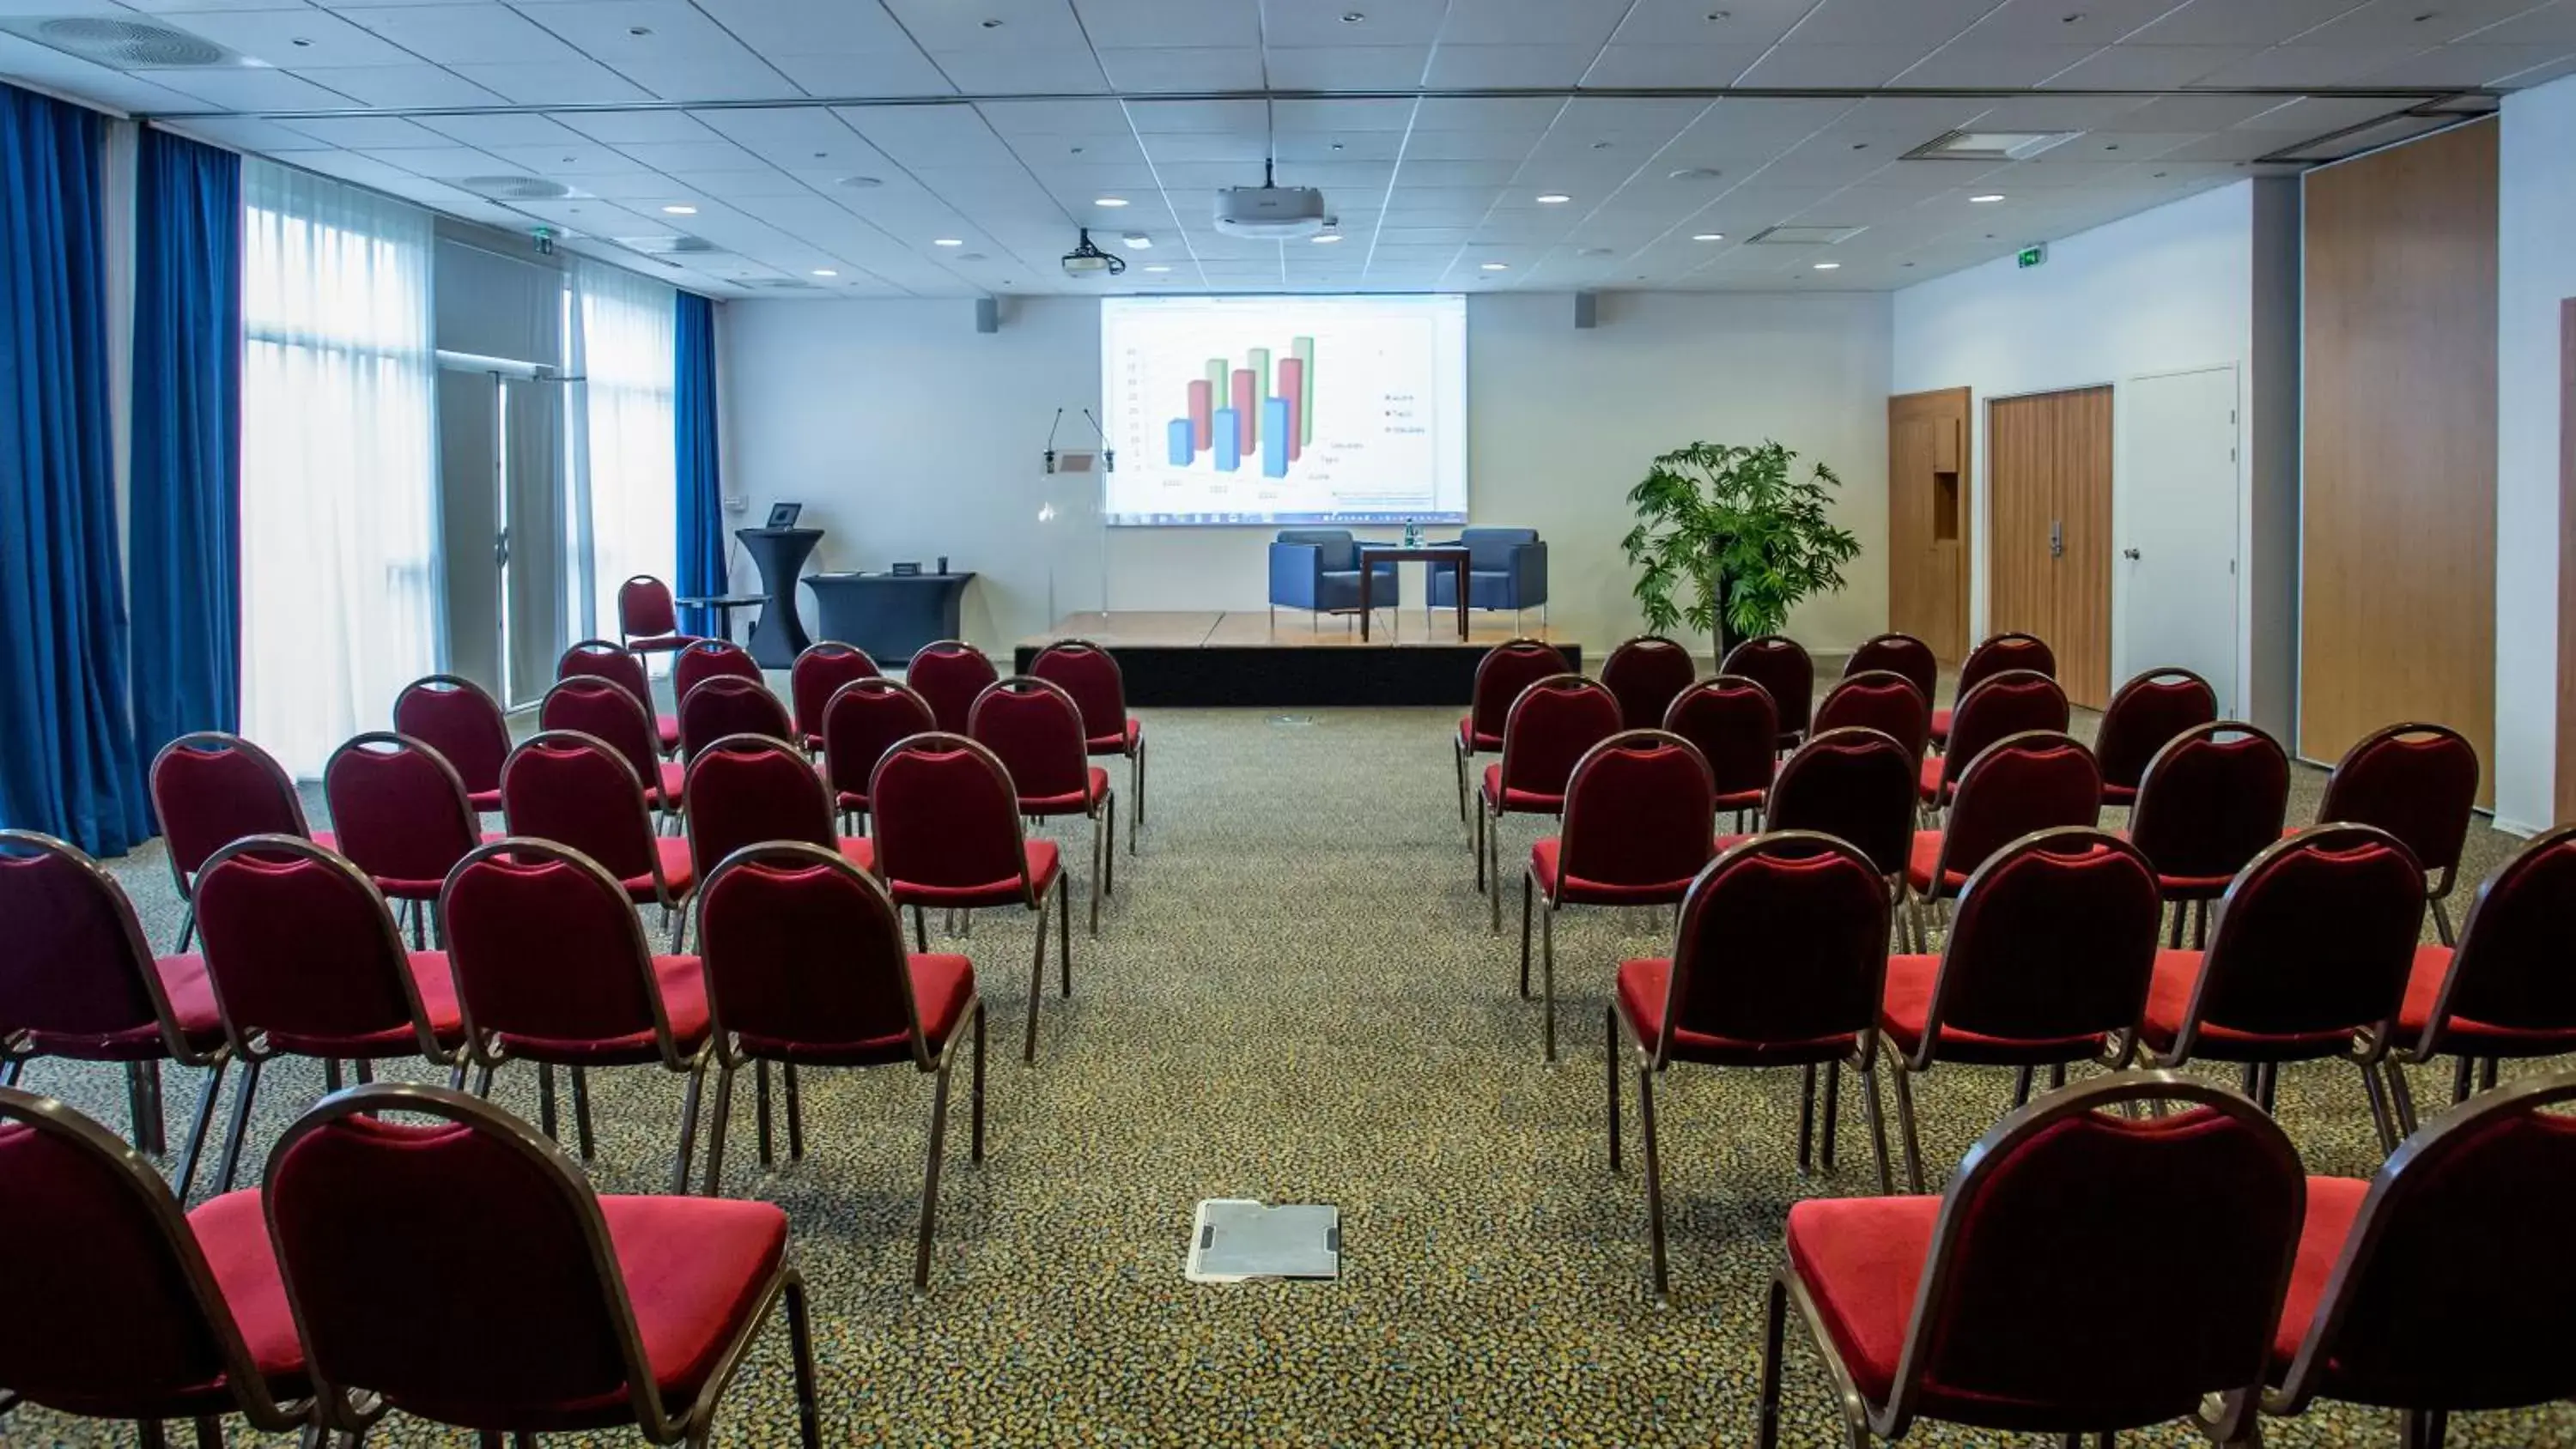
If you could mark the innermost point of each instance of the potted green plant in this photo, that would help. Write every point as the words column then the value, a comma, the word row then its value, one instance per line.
column 1741, row 532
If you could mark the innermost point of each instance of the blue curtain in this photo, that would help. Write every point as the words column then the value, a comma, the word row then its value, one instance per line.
column 701, row 490
column 184, row 545
column 68, row 766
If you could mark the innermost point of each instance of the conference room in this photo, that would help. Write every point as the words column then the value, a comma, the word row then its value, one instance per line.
column 1190, row 722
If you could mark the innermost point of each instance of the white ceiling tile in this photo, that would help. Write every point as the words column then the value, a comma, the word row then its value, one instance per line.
column 929, row 135
column 1240, row 146
column 2470, row 64
column 2237, row 22
column 2412, row 22
column 1505, row 66
column 2146, row 67
column 1384, row 22
column 1672, row 65
column 2547, row 23
column 252, row 90
column 2059, row 22
column 572, row 82
column 2195, row 113
column 369, row 132
column 708, row 155
column 2055, row 113
column 1998, row 66
column 1351, row 115
column 1792, row 65
column 1078, row 148
column 614, row 127
column 1529, row 22
column 862, row 73
column 2309, row 65
column 350, row 166
column 1053, row 117
column 451, row 33
column 564, row 161
column 185, row 6
column 405, row 86
column 1338, row 145
column 1457, row 173
column 1345, row 67
column 1245, row 116
column 727, row 76
column 644, row 186
column 443, row 162
column 305, row 39
column 1021, row 72
column 2227, row 146
column 937, row 25
column 1887, row 22
column 742, row 185
column 1181, row 24
column 1468, row 146
column 2314, row 115
column 809, row 27
column 797, row 137
column 266, row 137
column 1229, row 68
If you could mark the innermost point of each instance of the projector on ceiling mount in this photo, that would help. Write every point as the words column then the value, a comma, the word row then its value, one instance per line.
column 1269, row 212
column 1088, row 260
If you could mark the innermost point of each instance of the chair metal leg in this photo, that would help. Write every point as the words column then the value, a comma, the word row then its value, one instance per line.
column 760, row 1109
column 205, row 1119
column 2173, row 933
column 1528, row 888
column 1610, row 1056
column 148, row 1435
column 687, row 1148
column 1900, row 1077
column 795, row 1114
column 2379, row 1113
column 146, row 1112
column 483, row 1082
column 330, row 1074
column 1547, row 976
column 920, row 931
column 1480, row 846
column 1094, row 889
column 546, row 1100
column 210, row 1432
column 975, row 1093
column 1833, row 1110
column 2442, row 922
column 2487, row 1070
column 1064, row 934
column 240, row 1125
column 716, row 1128
column 1494, row 872
column 2463, row 1079
column 187, row 928
column 1037, row 988
column 1775, row 1315
column 1877, row 1123
column 2401, row 1095
column 1458, row 753
column 930, row 1180
column 581, row 1112
column 800, row 1340
column 2021, row 1087
column 1654, row 1178
column 1806, row 1116
column 1109, row 868
column 2056, row 1075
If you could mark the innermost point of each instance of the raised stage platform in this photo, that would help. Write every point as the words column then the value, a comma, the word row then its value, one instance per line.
column 1238, row 657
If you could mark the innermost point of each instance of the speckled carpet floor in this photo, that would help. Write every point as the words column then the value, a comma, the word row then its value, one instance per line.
column 1294, row 997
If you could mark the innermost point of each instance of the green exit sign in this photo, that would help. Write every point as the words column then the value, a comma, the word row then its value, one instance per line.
column 2032, row 256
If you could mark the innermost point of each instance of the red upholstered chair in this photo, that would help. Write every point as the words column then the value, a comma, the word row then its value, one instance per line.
column 527, row 1303
column 586, row 704
column 1090, row 674
column 705, row 659
column 2210, row 802
column 576, row 789
column 128, row 1308
column 79, row 981
column 948, row 835
column 1777, row 961
column 948, row 674
column 724, row 705
column 1731, row 721
column 647, row 620
column 551, row 968
column 2307, row 960
column 2046, row 964
column 816, row 675
column 1782, row 667
column 2441, row 1285
column 1647, row 673
column 806, row 966
column 862, row 721
column 1993, row 1305
column 1501, row 675
column 1550, row 727
column 2506, row 990
column 760, row 788
column 1035, row 729
column 1637, row 807
column 2015, row 702
column 1996, row 654
column 1881, row 700
column 404, row 817
column 210, row 789
column 604, row 660
column 306, row 961
column 1843, row 783
column 2418, row 782
column 2146, row 712
column 2036, row 780
column 1899, row 654
column 454, row 716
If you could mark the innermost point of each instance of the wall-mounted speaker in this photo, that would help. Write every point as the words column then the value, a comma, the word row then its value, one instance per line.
column 1586, row 310
column 988, row 314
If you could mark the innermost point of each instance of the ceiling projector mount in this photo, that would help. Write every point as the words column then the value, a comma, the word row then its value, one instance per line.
column 1269, row 212
column 1088, row 260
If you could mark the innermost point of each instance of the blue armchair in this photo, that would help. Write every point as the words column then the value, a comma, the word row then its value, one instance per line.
column 1319, row 569
column 1506, row 569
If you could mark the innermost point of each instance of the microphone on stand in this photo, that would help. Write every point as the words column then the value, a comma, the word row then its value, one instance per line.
column 1108, row 454
column 1050, row 447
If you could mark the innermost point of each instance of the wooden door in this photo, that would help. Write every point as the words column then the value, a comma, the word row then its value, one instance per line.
column 1927, row 519
column 2048, row 485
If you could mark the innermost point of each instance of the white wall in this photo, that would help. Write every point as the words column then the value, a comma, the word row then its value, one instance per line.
column 908, row 435
column 2536, row 269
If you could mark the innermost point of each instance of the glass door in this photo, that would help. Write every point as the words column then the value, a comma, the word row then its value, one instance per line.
column 502, row 512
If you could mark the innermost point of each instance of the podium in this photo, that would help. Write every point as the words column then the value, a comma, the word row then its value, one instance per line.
column 890, row 615
column 778, row 636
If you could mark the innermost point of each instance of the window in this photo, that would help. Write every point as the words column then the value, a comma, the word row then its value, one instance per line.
column 625, row 462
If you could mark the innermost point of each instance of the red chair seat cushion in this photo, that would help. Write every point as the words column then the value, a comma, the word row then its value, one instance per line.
column 666, row 729
column 1042, row 865
column 1862, row 1261
column 671, row 786
column 1643, row 984
column 2119, row 794
column 1928, row 784
column 2169, row 997
column 942, row 985
column 1940, row 726
column 192, row 1002
column 2333, row 1203
column 485, row 802
column 1907, row 1004
column 1575, row 890
column 673, row 852
column 232, row 1231
column 1925, row 857
column 1742, row 800
column 682, row 982
column 406, row 888
column 1095, row 789
column 2470, row 1038
column 860, row 851
column 1517, row 802
column 1121, row 743
column 696, row 1269
column 1475, row 742
column 657, row 642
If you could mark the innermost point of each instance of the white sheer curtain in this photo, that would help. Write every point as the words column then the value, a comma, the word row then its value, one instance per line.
column 340, row 591
column 624, row 460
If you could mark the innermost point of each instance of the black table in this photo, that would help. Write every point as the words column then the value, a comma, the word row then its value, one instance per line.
column 1434, row 554
column 778, row 636
column 724, row 605
column 890, row 615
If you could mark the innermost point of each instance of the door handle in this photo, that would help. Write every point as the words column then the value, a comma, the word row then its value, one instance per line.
column 2056, row 538
column 2130, row 554
column 501, row 548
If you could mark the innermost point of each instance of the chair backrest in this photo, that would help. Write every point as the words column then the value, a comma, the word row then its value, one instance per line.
column 576, row 789
column 2014, row 702
column 1881, row 700
column 948, row 674
column 526, row 1311
column 805, row 950
column 2021, row 783
column 861, row 722
column 1647, row 673
column 1781, row 666
column 759, row 787
column 1736, row 728
column 644, row 608
column 1899, row 654
column 2145, row 713
column 76, row 973
column 2418, row 782
column 2452, row 1285
column 2054, row 939
column 606, row 659
column 1335, row 550
column 1506, row 670
column 211, row 789
column 547, row 951
column 1637, row 808
column 133, row 1319
column 2315, row 938
column 454, row 716
column 818, row 673
column 709, row 659
column 727, row 704
column 2212, row 799
column 300, row 945
column 2511, row 968
column 1550, row 726
column 1035, row 729
column 590, row 705
column 399, row 811
column 2048, row 1211
column 1489, row 550
column 943, row 814
column 1090, row 675
column 1783, row 942
column 2001, row 653
column 1856, row 785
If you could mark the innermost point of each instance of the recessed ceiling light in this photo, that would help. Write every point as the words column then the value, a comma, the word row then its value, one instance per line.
column 991, row 24
column 639, row 30
column 300, row 42
column 679, row 211
column 1109, row 201
column 1322, row 237
column 1553, row 198
column 972, row 257
column 947, row 241
column 825, row 272
column 1828, row 266
column 1158, row 267
column 860, row 183
column 1989, row 196
column 1592, row 251
column 1708, row 236
column 1715, row 16
column 1352, row 17
column 1498, row 266
column 1694, row 173
column 1139, row 241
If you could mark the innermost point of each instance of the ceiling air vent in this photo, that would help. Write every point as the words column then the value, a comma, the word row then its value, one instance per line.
column 122, row 44
column 666, row 246
column 781, row 284
column 515, row 188
column 1989, row 145
column 1803, row 236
